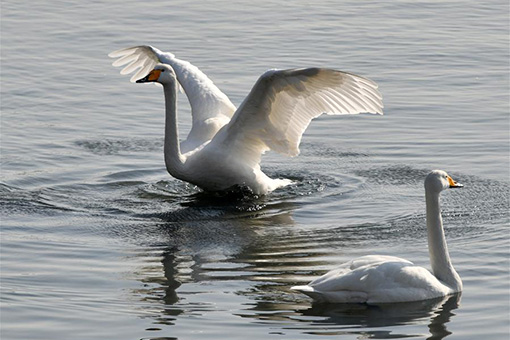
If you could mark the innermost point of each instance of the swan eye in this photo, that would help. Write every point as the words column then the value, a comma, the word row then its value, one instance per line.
column 163, row 70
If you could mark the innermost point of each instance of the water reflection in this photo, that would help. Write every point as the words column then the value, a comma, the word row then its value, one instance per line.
column 437, row 327
column 170, row 272
column 196, row 243
column 436, row 311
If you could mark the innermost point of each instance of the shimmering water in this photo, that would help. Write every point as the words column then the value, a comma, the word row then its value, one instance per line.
column 99, row 242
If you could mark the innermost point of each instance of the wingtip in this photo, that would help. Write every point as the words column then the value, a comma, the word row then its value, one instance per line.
column 375, row 112
column 119, row 52
column 113, row 54
column 130, row 50
column 303, row 288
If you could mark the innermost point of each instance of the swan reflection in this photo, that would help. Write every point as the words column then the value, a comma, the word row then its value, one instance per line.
column 435, row 312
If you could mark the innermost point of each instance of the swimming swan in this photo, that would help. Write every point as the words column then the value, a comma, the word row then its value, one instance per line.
column 225, row 145
column 382, row 279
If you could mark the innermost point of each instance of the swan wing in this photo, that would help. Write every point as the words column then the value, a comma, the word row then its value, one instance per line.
column 375, row 279
column 282, row 103
column 344, row 273
column 206, row 100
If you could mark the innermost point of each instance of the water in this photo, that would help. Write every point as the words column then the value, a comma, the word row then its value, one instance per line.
column 99, row 242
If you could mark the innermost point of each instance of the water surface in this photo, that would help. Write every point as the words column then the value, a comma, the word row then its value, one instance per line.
column 98, row 241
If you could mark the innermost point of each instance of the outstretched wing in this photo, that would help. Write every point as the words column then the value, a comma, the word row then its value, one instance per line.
column 283, row 102
column 206, row 100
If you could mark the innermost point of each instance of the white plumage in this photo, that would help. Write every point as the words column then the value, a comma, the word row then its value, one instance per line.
column 225, row 145
column 384, row 279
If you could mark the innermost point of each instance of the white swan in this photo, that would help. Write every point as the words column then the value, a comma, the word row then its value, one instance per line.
column 383, row 279
column 225, row 145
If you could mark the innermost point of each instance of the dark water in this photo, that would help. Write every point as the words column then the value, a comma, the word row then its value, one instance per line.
column 99, row 242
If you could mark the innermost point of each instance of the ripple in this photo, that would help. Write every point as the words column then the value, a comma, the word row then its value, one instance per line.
column 393, row 175
column 115, row 146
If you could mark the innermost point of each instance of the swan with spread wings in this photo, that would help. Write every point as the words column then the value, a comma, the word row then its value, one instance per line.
column 225, row 144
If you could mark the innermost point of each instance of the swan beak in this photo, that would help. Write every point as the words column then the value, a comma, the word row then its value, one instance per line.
column 454, row 184
column 151, row 77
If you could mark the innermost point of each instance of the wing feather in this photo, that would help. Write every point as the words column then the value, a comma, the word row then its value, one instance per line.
column 124, row 60
column 206, row 100
column 210, row 108
column 282, row 103
column 138, row 57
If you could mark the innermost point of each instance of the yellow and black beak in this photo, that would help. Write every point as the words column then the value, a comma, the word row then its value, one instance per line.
column 454, row 184
column 151, row 77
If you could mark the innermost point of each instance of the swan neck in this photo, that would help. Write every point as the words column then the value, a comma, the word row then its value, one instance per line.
column 442, row 267
column 174, row 160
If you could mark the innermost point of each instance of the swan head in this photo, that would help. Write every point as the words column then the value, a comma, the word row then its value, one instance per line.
column 439, row 180
column 161, row 73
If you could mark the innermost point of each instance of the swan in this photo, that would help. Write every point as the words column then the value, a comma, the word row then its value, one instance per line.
column 384, row 279
column 225, row 144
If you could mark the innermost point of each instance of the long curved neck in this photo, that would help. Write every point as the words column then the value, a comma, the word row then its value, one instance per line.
column 174, row 160
column 438, row 250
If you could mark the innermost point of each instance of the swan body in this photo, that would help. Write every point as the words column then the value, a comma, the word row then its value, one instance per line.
column 225, row 144
column 384, row 279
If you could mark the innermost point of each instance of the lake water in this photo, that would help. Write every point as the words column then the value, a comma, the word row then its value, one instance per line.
column 99, row 242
